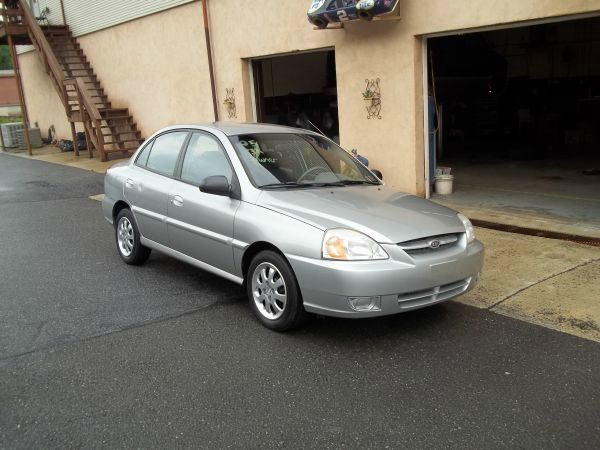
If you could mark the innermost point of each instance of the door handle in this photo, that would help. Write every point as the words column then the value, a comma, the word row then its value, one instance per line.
column 176, row 200
column 130, row 184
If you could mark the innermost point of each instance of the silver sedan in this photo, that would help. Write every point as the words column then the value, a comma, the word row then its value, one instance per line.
column 291, row 216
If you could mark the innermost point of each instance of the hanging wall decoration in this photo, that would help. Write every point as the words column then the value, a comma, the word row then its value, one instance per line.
column 230, row 104
column 372, row 98
column 322, row 13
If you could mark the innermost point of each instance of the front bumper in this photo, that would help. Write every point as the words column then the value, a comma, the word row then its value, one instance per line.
column 402, row 282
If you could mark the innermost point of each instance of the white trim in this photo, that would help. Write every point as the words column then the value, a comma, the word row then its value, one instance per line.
column 188, row 259
column 425, row 96
column 509, row 25
column 252, row 90
column 292, row 53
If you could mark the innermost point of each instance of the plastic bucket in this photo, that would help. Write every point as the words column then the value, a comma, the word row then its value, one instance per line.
column 443, row 184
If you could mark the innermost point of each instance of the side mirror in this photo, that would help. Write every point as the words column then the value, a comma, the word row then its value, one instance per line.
column 377, row 173
column 216, row 185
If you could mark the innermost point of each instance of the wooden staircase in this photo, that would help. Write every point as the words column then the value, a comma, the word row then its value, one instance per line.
column 107, row 129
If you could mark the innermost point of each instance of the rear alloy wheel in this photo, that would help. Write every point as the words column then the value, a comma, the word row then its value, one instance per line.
column 273, row 292
column 128, row 239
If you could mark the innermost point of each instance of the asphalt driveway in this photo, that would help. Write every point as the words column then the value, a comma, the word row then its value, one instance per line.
column 94, row 353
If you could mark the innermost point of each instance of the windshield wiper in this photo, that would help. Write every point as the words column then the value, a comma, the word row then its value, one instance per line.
column 348, row 182
column 294, row 184
column 278, row 185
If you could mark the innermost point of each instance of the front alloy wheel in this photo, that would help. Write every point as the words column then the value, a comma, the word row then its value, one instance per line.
column 273, row 292
column 268, row 291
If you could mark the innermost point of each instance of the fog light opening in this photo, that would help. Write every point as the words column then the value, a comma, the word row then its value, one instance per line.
column 365, row 303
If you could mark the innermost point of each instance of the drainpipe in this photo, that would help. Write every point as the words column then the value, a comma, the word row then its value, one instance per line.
column 211, row 69
column 62, row 8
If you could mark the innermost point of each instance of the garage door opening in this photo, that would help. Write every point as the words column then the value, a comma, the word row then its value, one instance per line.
column 298, row 91
column 515, row 113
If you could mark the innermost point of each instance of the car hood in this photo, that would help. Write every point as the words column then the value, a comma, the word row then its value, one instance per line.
column 386, row 215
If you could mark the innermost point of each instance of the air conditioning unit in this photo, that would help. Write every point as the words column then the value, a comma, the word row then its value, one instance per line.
column 9, row 133
column 35, row 138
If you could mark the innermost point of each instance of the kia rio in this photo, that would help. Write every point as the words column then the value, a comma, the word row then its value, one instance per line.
column 291, row 216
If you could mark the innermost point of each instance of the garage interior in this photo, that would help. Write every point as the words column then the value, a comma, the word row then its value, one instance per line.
column 298, row 90
column 515, row 114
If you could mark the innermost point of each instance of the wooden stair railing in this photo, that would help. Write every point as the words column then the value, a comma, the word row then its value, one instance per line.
column 90, row 116
column 107, row 129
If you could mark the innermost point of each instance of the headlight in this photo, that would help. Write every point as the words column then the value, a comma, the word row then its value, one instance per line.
column 468, row 227
column 351, row 245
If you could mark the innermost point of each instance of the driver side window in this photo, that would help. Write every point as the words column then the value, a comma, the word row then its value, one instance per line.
column 204, row 158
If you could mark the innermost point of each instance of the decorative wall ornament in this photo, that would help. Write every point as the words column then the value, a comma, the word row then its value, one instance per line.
column 230, row 103
column 372, row 97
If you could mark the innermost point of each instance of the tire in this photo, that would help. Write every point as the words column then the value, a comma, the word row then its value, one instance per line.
column 365, row 15
column 273, row 292
column 127, row 237
column 319, row 23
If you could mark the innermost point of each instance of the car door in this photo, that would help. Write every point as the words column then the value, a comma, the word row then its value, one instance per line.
column 200, row 224
column 150, row 181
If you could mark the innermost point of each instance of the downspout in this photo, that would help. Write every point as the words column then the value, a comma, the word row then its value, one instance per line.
column 62, row 8
column 211, row 69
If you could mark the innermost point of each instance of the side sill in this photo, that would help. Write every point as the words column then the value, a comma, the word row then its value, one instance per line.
column 188, row 259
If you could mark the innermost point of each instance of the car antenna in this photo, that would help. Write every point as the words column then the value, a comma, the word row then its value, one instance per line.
column 315, row 127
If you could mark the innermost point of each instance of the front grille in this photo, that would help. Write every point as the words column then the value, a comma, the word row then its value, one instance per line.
column 437, row 294
column 429, row 244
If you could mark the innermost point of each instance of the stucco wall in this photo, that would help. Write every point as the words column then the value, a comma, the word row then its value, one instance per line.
column 157, row 67
column 43, row 103
column 389, row 50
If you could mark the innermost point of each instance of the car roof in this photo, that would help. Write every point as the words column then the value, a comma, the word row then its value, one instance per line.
column 235, row 128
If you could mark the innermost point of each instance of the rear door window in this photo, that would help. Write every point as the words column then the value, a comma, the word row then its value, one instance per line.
column 165, row 151
column 142, row 158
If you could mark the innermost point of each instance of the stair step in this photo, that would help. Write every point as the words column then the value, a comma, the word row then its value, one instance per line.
column 117, row 133
column 124, row 141
column 65, row 48
column 64, row 52
column 93, row 96
column 74, row 73
column 115, row 150
column 112, row 127
column 115, row 110
column 77, row 58
column 94, row 92
column 79, row 63
column 113, row 118
column 52, row 34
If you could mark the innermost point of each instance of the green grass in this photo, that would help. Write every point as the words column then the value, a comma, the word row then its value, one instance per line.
column 11, row 119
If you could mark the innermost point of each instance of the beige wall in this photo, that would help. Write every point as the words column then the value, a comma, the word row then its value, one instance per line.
column 43, row 103
column 157, row 67
column 389, row 50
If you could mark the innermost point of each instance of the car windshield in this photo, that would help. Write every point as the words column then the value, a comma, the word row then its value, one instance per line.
column 288, row 160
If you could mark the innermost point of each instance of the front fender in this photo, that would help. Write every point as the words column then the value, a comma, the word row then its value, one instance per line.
column 291, row 236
